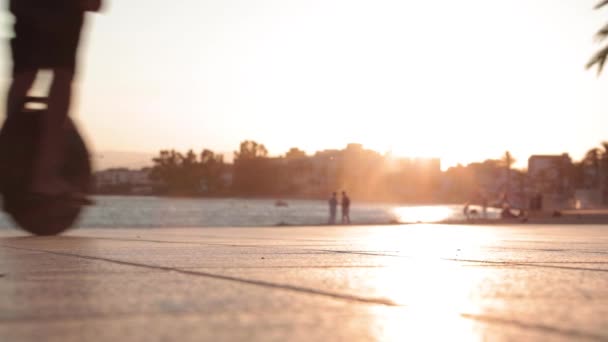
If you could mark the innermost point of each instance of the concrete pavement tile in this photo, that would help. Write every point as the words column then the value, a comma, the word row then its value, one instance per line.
column 327, row 283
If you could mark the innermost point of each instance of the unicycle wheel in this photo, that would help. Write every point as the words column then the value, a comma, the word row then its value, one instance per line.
column 19, row 138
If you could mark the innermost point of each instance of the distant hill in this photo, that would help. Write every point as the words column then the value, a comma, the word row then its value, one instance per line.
column 113, row 159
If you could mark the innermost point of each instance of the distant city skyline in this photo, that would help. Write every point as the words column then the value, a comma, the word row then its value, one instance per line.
column 554, row 181
column 461, row 81
column 135, row 160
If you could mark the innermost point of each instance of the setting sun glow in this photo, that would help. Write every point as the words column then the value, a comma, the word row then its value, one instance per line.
column 454, row 80
column 421, row 214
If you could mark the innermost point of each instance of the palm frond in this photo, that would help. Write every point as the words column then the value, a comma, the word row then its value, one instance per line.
column 601, row 4
column 602, row 34
column 599, row 59
column 601, row 56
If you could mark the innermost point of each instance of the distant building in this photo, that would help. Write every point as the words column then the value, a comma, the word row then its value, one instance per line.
column 551, row 176
column 122, row 180
column 298, row 176
column 323, row 177
column 593, row 186
column 550, row 173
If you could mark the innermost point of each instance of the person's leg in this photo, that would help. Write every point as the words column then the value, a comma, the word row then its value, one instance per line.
column 20, row 86
column 50, row 155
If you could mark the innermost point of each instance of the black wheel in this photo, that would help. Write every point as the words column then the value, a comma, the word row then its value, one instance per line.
column 18, row 144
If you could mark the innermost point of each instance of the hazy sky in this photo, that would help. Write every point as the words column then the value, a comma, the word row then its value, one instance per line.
column 461, row 80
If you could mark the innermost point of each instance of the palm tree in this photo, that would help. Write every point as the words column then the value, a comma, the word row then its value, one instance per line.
column 592, row 160
column 597, row 160
column 601, row 56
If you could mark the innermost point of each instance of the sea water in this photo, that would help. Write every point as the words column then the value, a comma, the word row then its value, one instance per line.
column 153, row 212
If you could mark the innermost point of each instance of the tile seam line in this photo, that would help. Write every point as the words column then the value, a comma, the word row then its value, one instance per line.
column 198, row 243
column 372, row 253
column 533, row 327
column 524, row 264
column 195, row 243
column 259, row 283
column 487, row 262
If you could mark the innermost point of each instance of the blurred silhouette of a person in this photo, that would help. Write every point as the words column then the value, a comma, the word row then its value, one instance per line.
column 345, row 208
column 47, row 35
column 333, row 208
column 484, row 205
column 465, row 210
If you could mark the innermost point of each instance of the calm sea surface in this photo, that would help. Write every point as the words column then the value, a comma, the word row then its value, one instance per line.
column 126, row 212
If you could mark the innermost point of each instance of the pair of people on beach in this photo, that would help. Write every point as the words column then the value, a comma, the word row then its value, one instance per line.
column 333, row 208
column 47, row 36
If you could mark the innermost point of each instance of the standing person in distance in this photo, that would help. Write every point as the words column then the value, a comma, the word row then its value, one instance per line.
column 333, row 208
column 345, row 208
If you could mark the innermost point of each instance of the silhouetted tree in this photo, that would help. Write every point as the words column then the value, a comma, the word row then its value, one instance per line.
column 461, row 182
column 474, row 182
column 183, row 174
column 592, row 160
column 254, row 173
column 596, row 159
column 166, row 169
column 250, row 149
column 190, row 173
column 212, row 165
column 294, row 153
column 298, row 172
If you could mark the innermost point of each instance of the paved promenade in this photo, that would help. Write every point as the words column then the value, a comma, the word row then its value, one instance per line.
column 390, row 283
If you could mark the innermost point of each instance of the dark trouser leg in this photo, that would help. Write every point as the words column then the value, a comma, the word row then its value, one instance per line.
column 21, row 84
column 51, row 152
